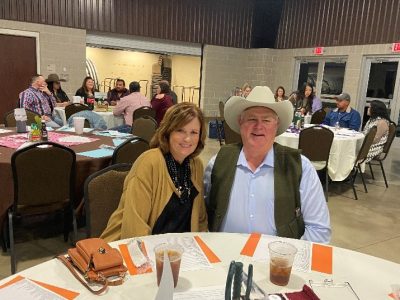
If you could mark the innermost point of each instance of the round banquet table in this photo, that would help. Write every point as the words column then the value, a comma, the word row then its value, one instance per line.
column 85, row 166
column 370, row 277
column 342, row 156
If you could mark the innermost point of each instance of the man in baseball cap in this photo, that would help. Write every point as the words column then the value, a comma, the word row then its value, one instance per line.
column 343, row 115
column 259, row 185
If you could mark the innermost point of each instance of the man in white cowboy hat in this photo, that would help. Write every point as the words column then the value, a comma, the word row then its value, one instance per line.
column 261, row 186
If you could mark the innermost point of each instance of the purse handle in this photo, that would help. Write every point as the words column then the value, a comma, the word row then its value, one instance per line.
column 70, row 267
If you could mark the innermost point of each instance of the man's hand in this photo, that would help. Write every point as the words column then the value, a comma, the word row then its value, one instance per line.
column 45, row 89
column 113, row 102
column 46, row 118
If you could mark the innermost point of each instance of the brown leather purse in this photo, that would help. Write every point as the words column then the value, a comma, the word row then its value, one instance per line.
column 97, row 261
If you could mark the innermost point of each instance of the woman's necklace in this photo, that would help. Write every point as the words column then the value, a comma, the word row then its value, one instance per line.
column 182, row 183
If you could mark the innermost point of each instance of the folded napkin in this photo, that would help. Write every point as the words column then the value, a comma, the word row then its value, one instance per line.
column 305, row 294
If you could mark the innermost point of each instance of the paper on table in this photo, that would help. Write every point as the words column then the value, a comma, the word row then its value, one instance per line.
column 118, row 141
column 72, row 129
column 97, row 153
column 112, row 133
column 302, row 261
column 4, row 130
column 209, row 293
column 193, row 258
column 74, row 139
column 26, row 289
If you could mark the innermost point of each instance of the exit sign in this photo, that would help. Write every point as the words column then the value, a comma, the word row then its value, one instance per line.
column 396, row 47
column 318, row 50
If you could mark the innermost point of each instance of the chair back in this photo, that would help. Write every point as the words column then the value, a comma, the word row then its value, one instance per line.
column 144, row 111
column 9, row 118
column 74, row 108
column 221, row 106
column 366, row 145
column 102, row 193
column 130, row 150
column 230, row 135
column 315, row 143
column 144, row 127
column 391, row 136
column 44, row 174
column 318, row 117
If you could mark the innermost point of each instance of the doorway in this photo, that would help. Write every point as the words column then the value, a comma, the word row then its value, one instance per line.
column 381, row 81
column 18, row 65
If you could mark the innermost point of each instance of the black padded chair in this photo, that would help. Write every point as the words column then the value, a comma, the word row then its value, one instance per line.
column 230, row 135
column 315, row 143
column 130, row 150
column 381, row 157
column 144, row 111
column 144, row 127
column 318, row 117
column 74, row 108
column 44, row 183
column 9, row 119
column 361, row 157
column 102, row 194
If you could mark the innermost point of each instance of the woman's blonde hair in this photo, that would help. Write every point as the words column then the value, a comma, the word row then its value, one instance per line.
column 175, row 118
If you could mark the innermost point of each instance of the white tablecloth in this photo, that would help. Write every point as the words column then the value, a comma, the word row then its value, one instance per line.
column 109, row 118
column 370, row 277
column 343, row 152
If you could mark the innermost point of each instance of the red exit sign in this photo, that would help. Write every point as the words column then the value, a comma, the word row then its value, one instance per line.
column 318, row 50
column 396, row 47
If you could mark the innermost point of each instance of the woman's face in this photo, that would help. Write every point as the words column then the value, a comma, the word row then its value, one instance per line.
column 89, row 84
column 280, row 93
column 369, row 111
column 246, row 92
column 307, row 91
column 56, row 85
column 183, row 141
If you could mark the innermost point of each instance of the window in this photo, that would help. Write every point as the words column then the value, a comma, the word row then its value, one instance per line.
column 332, row 82
column 382, row 78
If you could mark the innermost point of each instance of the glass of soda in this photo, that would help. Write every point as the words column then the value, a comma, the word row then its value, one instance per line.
column 281, row 260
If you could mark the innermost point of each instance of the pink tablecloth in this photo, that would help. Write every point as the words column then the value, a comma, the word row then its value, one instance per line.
column 16, row 140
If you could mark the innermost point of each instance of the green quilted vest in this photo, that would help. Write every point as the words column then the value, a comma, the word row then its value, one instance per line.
column 287, row 175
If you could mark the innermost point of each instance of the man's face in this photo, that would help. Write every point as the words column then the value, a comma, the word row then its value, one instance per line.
column 39, row 83
column 342, row 104
column 119, row 86
column 258, row 126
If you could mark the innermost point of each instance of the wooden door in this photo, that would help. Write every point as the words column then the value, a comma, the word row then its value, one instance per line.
column 17, row 66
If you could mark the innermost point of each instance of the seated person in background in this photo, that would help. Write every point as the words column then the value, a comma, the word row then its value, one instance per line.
column 163, row 191
column 261, row 186
column 171, row 92
column 39, row 99
column 54, row 85
column 280, row 94
column 117, row 92
column 343, row 115
column 237, row 91
column 127, row 106
column 246, row 89
column 378, row 117
column 87, row 89
column 310, row 103
column 296, row 100
column 161, row 101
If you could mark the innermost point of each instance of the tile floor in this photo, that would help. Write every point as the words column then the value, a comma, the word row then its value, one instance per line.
column 370, row 225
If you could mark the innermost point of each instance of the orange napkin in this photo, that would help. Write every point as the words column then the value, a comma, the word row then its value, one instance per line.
column 251, row 244
column 133, row 270
column 321, row 260
column 212, row 258
column 67, row 294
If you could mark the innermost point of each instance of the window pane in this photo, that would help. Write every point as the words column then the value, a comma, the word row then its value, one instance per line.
column 382, row 77
column 332, row 82
column 308, row 73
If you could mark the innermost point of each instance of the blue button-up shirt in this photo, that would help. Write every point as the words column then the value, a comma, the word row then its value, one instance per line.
column 251, row 202
column 348, row 119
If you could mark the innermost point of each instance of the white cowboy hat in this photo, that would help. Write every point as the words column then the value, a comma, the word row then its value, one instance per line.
column 259, row 96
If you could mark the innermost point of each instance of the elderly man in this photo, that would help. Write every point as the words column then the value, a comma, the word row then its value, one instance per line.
column 343, row 115
column 127, row 106
column 39, row 99
column 117, row 93
column 261, row 186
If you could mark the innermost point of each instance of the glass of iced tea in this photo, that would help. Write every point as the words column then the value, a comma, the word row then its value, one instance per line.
column 281, row 260
column 174, row 252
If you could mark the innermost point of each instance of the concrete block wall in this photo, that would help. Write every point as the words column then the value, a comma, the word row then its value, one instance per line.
column 65, row 48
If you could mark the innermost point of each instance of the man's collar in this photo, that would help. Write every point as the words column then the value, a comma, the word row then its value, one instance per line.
column 348, row 109
column 268, row 159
